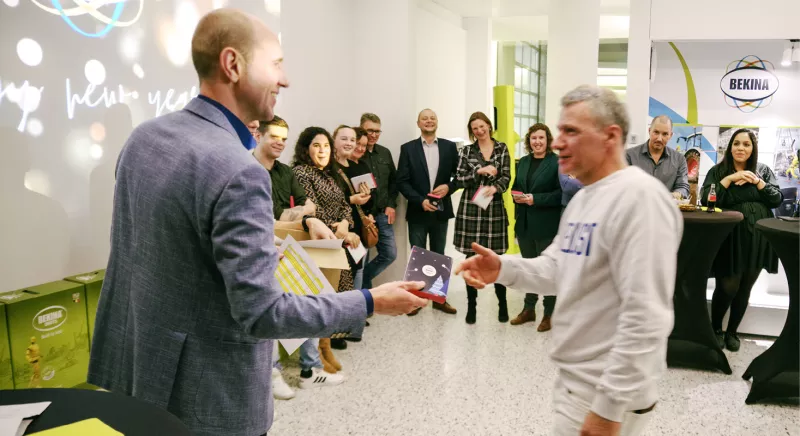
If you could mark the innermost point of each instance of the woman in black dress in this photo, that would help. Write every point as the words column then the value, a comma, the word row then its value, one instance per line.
column 742, row 184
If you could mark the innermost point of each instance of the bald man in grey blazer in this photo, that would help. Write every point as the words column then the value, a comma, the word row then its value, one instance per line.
column 190, row 307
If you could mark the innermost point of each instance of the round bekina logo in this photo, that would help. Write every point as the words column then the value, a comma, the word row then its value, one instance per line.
column 50, row 318
column 749, row 83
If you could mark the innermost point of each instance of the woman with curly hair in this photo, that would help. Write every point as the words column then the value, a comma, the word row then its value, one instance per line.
column 538, row 211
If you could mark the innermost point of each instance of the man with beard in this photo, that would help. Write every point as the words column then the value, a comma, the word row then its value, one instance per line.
column 426, row 174
column 658, row 160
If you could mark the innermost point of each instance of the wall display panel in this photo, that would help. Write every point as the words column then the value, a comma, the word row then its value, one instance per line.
column 76, row 78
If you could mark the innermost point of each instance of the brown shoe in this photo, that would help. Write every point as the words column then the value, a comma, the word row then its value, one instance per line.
column 414, row 312
column 326, row 353
column 544, row 325
column 527, row 315
column 445, row 307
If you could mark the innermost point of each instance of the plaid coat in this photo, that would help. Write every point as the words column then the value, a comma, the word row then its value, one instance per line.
column 487, row 227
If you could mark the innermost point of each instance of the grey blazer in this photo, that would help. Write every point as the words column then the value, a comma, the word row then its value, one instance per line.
column 190, row 306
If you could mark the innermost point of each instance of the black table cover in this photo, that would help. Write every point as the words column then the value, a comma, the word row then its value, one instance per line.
column 692, row 342
column 775, row 371
column 126, row 415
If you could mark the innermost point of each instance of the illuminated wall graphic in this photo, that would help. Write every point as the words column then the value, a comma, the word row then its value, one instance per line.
column 76, row 77
column 92, row 8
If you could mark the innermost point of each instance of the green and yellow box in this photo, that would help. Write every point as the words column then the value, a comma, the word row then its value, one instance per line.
column 48, row 335
column 6, row 381
column 93, row 283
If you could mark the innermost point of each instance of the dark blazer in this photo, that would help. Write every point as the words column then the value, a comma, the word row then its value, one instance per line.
column 539, row 221
column 190, row 304
column 413, row 179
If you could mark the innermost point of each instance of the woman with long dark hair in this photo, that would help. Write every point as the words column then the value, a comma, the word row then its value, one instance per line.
column 538, row 212
column 484, row 163
column 745, row 185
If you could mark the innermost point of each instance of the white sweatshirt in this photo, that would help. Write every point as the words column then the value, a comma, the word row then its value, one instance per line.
column 613, row 267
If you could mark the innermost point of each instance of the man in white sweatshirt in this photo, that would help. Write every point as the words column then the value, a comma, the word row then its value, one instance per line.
column 612, row 266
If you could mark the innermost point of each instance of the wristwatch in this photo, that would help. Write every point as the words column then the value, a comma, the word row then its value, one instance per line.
column 303, row 222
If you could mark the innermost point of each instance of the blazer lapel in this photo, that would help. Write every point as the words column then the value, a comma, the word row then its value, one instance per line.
column 543, row 167
column 522, row 173
column 442, row 157
column 421, row 156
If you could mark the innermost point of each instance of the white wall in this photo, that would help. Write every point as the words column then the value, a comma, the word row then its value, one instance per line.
column 674, row 20
column 321, row 59
column 481, row 61
column 441, row 62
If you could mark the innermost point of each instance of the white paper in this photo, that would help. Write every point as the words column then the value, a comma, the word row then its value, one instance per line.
column 10, row 426
column 28, row 410
column 12, row 417
column 24, row 426
column 328, row 244
column 364, row 178
column 480, row 199
column 357, row 252
column 294, row 271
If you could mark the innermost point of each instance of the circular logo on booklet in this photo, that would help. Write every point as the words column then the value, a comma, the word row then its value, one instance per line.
column 428, row 270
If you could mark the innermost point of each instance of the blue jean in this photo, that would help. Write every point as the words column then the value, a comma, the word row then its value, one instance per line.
column 309, row 355
column 419, row 233
column 387, row 250
column 358, row 277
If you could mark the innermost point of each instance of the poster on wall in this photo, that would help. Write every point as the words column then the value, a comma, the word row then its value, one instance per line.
column 724, row 83
column 725, row 133
column 787, row 155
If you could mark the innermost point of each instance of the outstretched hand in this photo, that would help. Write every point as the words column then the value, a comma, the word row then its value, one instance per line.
column 394, row 299
column 481, row 269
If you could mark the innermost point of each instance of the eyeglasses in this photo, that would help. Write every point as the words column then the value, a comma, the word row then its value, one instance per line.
column 374, row 132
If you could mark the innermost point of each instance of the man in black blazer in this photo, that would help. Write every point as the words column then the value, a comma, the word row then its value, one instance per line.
column 427, row 170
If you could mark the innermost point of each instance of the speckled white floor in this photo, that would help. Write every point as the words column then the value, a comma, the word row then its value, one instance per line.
column 435, row 375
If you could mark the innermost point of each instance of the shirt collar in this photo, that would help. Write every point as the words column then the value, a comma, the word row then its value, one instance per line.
column 646, row 150
column 435, row 141
column 241, row 129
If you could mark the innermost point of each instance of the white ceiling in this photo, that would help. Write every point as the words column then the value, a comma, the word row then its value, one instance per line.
column 517, row 8
column 526, row 20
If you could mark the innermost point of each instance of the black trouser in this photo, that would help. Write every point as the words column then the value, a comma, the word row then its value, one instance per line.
column 530, row 249
column 499, row 291
column 418, row 234
column 732, row 292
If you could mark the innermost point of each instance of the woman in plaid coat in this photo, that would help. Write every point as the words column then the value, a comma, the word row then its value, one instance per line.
column 485, row 162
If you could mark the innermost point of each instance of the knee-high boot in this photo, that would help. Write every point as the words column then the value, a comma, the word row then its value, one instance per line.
column 472, row 300
column 502, row 314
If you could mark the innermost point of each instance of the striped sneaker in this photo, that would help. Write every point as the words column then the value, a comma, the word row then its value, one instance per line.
column 319, row 379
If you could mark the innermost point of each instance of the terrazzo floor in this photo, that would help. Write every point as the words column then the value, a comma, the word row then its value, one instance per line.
column 435, row 375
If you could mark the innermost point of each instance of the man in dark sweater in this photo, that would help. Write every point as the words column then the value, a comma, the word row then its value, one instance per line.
column 381, row 163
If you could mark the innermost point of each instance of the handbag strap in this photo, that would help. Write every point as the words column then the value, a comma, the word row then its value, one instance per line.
column 352, row 192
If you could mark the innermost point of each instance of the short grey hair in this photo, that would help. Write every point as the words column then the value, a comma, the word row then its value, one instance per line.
column 603, row 104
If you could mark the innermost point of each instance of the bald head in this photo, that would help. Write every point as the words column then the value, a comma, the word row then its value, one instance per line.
column 427, row 122
column 224, row 29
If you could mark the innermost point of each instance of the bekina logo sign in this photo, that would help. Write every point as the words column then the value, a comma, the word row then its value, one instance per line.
column 749, row 83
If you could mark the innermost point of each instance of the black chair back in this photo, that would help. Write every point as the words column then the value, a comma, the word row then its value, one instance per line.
column 786, row 207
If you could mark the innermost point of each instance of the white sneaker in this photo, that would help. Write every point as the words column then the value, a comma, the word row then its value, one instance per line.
column 319, row 378
column 280, row 390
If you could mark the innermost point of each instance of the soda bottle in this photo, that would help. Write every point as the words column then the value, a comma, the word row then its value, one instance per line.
column 712, row 198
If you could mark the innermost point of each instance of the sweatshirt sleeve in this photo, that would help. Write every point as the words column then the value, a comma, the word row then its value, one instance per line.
column 536, row 275
column 643, row 266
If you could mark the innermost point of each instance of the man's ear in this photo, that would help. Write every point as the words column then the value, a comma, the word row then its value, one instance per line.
column 614, row 135
column 232, row 64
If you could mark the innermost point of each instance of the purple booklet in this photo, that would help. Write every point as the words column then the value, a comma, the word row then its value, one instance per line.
column 433, row 269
